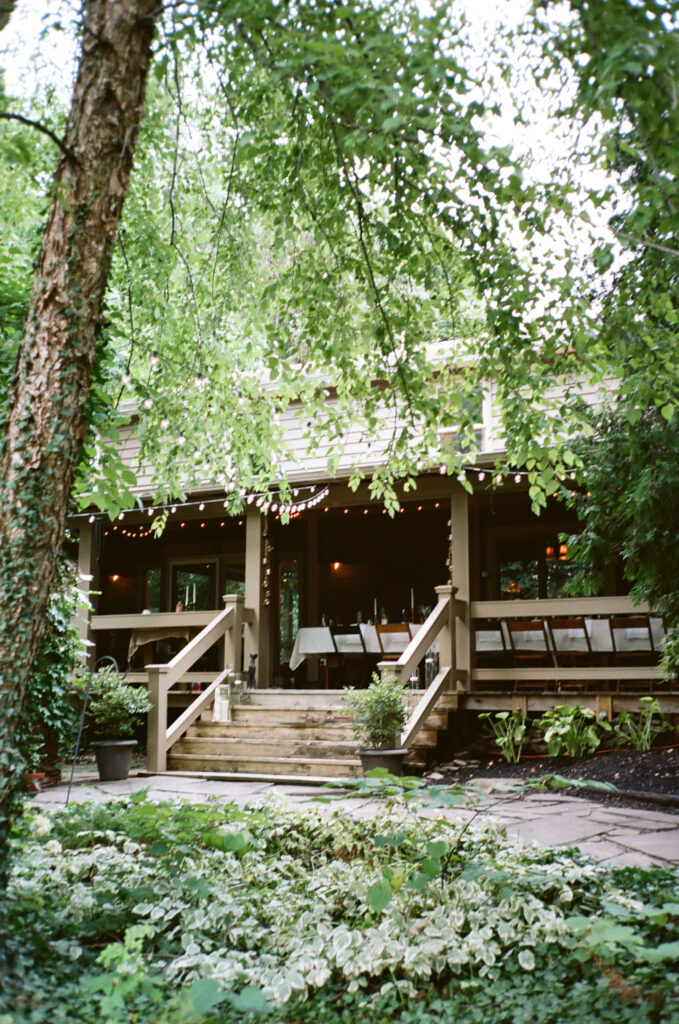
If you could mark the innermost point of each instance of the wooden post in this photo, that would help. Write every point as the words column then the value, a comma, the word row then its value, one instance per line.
column 312, row 611
column 253, row 585
column 459, row 575
column 232, row 638
column 86, row 556
column 447, row 636
column 156, row 750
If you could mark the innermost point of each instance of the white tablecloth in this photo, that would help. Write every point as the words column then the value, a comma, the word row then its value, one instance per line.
column 318, row 640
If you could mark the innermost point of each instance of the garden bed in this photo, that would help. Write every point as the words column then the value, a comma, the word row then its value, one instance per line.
column 630, row 771
column 181, row 913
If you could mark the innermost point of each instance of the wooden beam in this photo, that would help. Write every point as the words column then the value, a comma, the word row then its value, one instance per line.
column 549, row 674
column 555, row 606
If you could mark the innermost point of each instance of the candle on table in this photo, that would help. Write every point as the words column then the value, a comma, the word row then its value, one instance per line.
column 375, row 615
column 412, row 600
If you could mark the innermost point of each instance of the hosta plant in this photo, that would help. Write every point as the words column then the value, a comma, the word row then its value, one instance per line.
column 572, row 729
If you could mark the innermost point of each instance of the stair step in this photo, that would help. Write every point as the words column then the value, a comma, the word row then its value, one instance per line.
column 303, row 732
column 328, row 767
column 264, row 746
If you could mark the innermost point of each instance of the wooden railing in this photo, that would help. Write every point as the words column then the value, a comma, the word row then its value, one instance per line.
column 450, row 624
column 593, row 608
column 440, row 626
column 161, row 678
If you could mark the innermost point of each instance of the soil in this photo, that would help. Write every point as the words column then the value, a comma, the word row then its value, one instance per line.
column 649, row 774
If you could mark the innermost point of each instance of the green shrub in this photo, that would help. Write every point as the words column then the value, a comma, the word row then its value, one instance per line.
column 572, row 729
column 115, row 707
column 640, row 729
column 509, row 729
column 379, row 712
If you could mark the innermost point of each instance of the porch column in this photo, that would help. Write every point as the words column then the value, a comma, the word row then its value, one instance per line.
column 255, row 635
column 459, row 578
column 86, row 572
column 311, row 606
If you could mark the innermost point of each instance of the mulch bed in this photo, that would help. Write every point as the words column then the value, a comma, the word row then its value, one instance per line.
column 650, row 773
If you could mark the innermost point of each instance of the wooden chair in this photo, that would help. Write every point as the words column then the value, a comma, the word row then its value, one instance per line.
column 571, row 646
column 529, row 645
column 490, row 648
column 633, row 644
column 350, row 651
column 400, row 637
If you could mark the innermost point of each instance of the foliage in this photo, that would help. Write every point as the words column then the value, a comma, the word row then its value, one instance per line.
column 169, row 912
column 640, row 729
column 49, row 712
column 622, row 61
column 509, row 729
column 114, row 706
column 631, row 507
column 572, row 729
column 379, row 712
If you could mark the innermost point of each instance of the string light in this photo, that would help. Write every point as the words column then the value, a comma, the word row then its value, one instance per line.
column 148, row 402
column 125, row 379
column 181, row 440
column 154, row 359
column 165, row 423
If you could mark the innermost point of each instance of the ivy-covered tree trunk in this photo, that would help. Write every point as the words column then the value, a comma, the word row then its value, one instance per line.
column 45, row 426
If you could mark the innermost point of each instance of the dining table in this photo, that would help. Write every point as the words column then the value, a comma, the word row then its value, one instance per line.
column 317, row 640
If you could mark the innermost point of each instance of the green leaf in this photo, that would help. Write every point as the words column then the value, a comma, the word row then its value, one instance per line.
column 379, row 895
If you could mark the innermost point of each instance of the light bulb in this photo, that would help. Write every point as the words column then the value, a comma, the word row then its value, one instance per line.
column 125, row 379
column 154, row 359
column 165, row 423
column 148, row 402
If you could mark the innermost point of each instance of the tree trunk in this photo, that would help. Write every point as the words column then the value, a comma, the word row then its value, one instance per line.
column 45, row 426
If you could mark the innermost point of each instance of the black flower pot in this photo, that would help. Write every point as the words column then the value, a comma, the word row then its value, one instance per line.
column 114, row 758
column 392, row 760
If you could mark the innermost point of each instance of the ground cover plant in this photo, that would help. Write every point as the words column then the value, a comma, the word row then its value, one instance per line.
column 134, row 911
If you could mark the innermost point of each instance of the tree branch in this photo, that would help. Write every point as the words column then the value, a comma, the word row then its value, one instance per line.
column 68, row 153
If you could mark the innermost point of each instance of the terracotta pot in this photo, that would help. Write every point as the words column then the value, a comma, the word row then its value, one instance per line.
column 33, row 781
column 392, row 760
column 113, row 758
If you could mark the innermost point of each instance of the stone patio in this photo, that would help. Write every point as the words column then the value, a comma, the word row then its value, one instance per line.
column 613, row 835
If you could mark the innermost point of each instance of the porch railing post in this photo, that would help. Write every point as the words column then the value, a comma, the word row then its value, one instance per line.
column 156, row 747
column 233, row 643
column 447, row 636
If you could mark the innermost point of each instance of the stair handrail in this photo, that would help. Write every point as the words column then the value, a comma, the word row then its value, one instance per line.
column 440, row 622
column 161, row 678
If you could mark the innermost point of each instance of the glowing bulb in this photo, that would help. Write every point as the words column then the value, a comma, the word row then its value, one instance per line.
column 173, row 509
column 165, row 423
column 91, row 519
column 154, row 359
column 199, row 381
column 442, row 470
column 148, row 402
column 201, row 506
column 181, row 440
column 517, row 478
column 125, row 379
column 121, row 515
column 149, row 512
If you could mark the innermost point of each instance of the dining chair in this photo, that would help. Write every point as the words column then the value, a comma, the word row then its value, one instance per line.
column 633, row 644
column 350, row 651
column 529, row 645
column 399, row 636
column 571, row 647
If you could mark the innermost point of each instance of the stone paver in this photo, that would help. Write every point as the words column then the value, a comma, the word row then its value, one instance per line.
column 614, row 835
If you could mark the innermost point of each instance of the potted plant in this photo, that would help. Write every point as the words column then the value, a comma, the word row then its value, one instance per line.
column 115, row 709
column 379, row 713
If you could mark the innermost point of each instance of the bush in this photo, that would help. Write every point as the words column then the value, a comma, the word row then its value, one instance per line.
column 509, row 729
column 379, row 712
column 136, row 911
column 574, row 730
column 115, row 707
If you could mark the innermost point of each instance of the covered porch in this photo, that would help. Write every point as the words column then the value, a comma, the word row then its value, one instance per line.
column 473, row 642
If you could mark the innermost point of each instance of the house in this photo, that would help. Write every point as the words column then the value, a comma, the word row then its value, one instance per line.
column 471, row 582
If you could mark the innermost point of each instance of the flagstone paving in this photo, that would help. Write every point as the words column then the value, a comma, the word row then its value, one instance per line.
column 614, row 835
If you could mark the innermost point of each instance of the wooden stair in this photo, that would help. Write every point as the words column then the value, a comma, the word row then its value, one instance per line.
column 294, row 733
